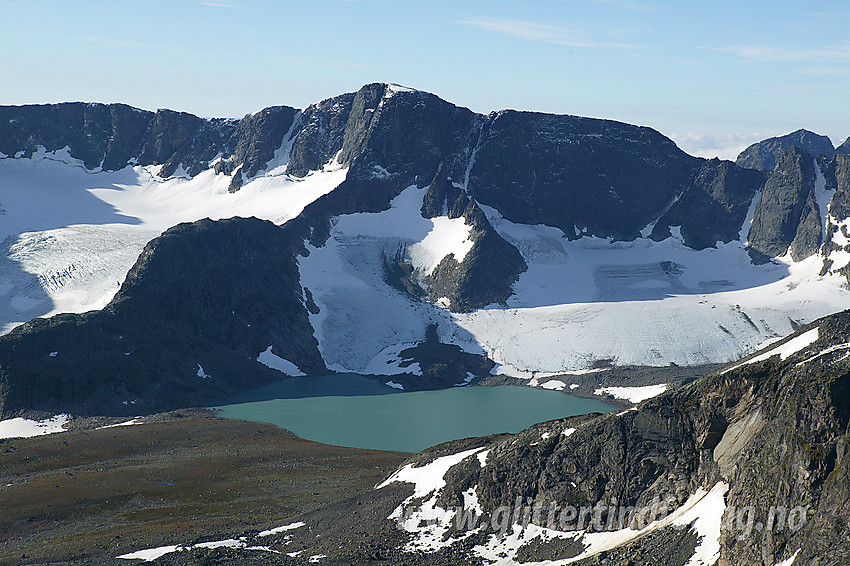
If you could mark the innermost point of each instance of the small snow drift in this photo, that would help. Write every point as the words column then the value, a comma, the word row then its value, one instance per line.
column 784, row 350
column 24, row 428
column 269, row 359
column 633, row 394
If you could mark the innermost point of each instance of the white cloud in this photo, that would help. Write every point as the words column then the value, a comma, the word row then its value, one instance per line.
column 825, row 71
column 571, row 37
column 762, row 53
column 724, row 146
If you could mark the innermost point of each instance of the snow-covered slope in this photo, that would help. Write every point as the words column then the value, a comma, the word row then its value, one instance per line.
column 640, row 302
column 362, row 163
column 69, row 235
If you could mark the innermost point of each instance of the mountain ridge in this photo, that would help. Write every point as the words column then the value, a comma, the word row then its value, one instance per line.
column 491, row 219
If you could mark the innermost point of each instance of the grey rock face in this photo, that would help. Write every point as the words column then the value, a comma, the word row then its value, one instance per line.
column 444, row 197
column 259, row 135
column 843, row 148
column 786, row 214
column 115, row 135
column 175, row 138
column 198, row 296
column 606, row 178
column 766, row 154
column 94, row 133
column 714, row 207
column 597, row 177
column 320, row 132
column 837, row 178
column 489, row 269
column 486, row 273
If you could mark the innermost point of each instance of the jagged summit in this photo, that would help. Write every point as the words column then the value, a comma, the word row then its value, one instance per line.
column 765, row 155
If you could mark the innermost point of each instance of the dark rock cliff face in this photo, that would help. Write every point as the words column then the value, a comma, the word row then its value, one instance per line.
column 113, row 136
column 389, row 140
column 485, row 274
column 198, row 297
column 766, row 154
column 787, row 215
column 178, row 138
column 714, row 207
column 489, row 269
column 837, row 177
column 843, row 148
column 94, row 133
column 257, row 136
column 605, row 178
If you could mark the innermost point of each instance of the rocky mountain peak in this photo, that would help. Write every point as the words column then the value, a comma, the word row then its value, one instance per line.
column 766, row 154
column 787, row 217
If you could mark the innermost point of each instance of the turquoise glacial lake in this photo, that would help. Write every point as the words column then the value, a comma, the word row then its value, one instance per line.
column 351, row 410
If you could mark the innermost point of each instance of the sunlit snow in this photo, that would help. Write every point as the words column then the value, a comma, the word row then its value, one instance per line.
column 24, row 428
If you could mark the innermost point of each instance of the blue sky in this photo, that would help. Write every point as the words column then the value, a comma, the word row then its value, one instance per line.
column 714, row 76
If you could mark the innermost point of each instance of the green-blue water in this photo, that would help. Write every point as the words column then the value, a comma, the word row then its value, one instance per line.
column 365, row 414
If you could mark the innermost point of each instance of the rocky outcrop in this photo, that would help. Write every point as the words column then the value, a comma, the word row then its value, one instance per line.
column 178, row 138
column 787, row 216
column 843, row 148
column 94, row 133
column 112, row 136
column 186, row 327
column 257, row 137
column 486, row 273
column 837, row 179
column 388, row 138
column 766, row 154
column 713, row 208
column 582, row 175
column 488, row 270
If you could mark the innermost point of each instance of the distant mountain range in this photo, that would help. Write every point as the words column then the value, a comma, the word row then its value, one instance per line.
column 534, row 244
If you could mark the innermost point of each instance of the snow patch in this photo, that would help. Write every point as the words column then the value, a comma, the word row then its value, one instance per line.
column 448, row 236
column 201, row 373
column 393, row 89
column 785, row 350
column 389, row 362
column 554, row 384
column 704, row 509
column 633, row 394
column 428, row 480
column 790, row 560
column 395, row 385
column 132, row 422
column 151, row 554
column 281, row 529
column 25, row 428
column 273, row 361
